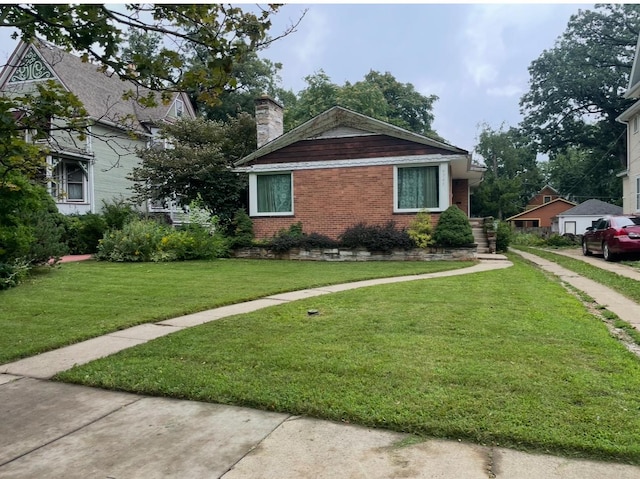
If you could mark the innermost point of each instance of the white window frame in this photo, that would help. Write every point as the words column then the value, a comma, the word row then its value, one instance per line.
column 443, row 188
column 635, row 124
column 253, row 195
column 638, row 193
column 179, row 108
column 59, row 183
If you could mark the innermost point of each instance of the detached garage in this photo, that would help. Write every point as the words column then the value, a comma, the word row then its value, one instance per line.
column 577, row 219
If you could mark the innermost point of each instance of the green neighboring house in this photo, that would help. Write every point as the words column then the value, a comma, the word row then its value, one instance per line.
column 82, row 173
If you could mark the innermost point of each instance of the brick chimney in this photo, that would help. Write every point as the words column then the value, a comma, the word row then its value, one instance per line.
column 268, row 120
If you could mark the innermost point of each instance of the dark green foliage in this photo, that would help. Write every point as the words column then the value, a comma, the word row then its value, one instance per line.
column 560, row 240
column 376, row 238
column 294, row 237
column 117, row 212
column 30, row 228
column 83, row 232
column 503, row 236
column 241, row 234
column 453, row 228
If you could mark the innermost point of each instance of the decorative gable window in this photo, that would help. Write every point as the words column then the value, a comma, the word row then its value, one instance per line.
column 179, row 108
column 271, row 194
column 69, row 181
column 420, row 187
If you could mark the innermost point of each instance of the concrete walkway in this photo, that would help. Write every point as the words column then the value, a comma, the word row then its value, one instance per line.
column 56, row 430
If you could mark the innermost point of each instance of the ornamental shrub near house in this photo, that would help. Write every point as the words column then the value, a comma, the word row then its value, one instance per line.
column 421, row 231
column 376, row 238
column 453, row 229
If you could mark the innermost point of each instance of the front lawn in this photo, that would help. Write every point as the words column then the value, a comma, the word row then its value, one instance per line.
column 78, row 301
column 503, row 357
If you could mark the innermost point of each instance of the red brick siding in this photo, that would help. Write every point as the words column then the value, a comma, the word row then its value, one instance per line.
column 328, row 201
column 544, row 213
column 460, row 194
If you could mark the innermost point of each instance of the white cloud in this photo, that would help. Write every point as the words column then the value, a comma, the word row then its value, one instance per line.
column 310, row 42
column 505, row 91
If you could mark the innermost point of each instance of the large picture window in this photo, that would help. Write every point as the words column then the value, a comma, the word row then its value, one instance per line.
column 273, row 194
column 417, row 187
column 69, row 182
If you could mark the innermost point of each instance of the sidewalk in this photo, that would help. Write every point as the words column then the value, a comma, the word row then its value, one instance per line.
column 57, row 430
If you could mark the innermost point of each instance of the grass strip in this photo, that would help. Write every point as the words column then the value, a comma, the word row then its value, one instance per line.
column 78, row 301
column 504, row 357
column 626, row 286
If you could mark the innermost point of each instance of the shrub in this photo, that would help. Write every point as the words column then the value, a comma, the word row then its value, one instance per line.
column 138, row 240
column 559, row 241
column 318, row 241
column 421, row 231
column 241, row 230
column 376, row 238
column 503, row 236
column 453, row 228
column 83, row 232
column 527, row 239
column 117, row 213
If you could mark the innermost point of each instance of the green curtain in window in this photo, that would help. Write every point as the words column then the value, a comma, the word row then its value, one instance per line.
column 274, row 193
column 418, row 187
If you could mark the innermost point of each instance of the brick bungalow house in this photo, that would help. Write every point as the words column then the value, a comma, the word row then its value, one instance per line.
column 541, row 210
column 84, row 172
column 342, row 168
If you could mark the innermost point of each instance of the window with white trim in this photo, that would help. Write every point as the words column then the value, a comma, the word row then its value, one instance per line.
column 418, row 187
column 638, row 193
column 635, row 124
column 69, row 182
column 179, row 108
column 271, row 194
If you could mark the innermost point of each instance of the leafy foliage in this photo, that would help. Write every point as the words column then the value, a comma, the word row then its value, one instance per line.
column 512, row 175
column 83, row 232
column 453, row 228
column 503, row 236
column 147, row 240
column 376, row 237
column 294, row 237
column 378, row 95
column 241, row 230
column 576, row 94
column 421, row 230
column 98, row 31
column 198, row 165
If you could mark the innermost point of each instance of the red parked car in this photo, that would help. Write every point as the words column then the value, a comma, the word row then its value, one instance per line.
column 612, row 236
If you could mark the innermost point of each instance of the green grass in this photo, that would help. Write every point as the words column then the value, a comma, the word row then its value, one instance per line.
column 78, row 301
column 626, row 286
column 504, row 357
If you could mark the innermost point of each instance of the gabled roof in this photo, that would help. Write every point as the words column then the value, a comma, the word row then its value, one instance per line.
column 341, row 117
column 633, row 90
column 100, row 92
column 531, row 210
column 593, row 207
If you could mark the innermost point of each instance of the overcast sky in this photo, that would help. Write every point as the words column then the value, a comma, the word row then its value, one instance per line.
column 474, row 57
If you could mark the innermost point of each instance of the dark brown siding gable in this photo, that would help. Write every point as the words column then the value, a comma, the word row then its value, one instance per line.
column 346, row 148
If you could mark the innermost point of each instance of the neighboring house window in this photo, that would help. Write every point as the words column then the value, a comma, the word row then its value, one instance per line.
column 179, row 108
column 635, row 124
column 417, row 187
column 271, row 194
column 638, row 193
column 69, row 181
column 546, row 199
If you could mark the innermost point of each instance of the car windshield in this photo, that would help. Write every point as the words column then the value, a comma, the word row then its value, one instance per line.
column 628, row 221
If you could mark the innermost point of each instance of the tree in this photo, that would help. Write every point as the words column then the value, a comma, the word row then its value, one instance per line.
column 576, row 90
column 512, row 175
column 197, row 164
column 98, row 32
column 378, row 95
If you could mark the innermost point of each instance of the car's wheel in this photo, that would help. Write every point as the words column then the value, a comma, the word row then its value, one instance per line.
column 606, row 252
column 585, row 249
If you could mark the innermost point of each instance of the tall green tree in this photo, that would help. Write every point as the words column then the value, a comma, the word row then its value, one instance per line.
column 576, row 92
column 198, row 164
column 512, row 175
column 378, row 95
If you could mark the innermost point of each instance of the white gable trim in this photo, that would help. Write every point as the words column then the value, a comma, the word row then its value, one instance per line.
column 316, row 165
